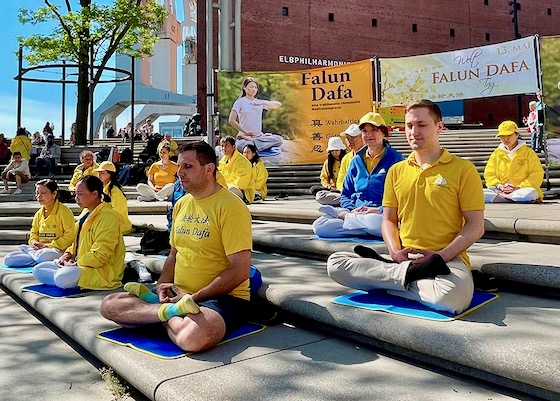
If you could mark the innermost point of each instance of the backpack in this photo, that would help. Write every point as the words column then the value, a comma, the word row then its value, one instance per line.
column 154, row 242
column 126, row 156
column 103, row 154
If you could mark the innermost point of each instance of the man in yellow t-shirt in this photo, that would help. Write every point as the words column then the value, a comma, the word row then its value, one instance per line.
column 433, row 210
column 203, row 290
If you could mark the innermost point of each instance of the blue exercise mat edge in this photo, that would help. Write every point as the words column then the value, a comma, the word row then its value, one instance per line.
column 17, row 269
column 344, row 300
column 51, row 291
column 178, row 352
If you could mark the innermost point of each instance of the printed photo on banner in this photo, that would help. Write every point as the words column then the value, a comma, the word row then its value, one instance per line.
column 291, row 115
column 550, row 65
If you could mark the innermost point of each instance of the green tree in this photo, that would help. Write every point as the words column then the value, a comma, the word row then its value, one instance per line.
column 91, row 33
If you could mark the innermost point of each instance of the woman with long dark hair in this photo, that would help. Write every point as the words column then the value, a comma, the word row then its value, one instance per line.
column 111, row 186
column 95, row 260
column 260, row 173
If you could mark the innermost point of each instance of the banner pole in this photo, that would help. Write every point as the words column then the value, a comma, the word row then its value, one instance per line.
column 541, row 115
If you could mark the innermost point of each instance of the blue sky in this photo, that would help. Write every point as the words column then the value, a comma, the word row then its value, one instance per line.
column 40, row 102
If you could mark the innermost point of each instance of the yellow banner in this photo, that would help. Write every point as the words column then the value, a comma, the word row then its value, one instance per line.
column 315, row 104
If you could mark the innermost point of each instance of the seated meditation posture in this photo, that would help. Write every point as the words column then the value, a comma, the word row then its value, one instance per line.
column 85, row 169
column 260, row 173
column 328, row 193
column 237, row 171
column 111, row 186
column 95, row 259
column 514, row 172
column 203, row 291
column 52, row 229
column 360, row 212
column 246, row 117
column 161, row 177
column 433, row 210
column 16, row 171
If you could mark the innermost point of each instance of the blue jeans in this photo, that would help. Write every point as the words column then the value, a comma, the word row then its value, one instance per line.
column 39, row 162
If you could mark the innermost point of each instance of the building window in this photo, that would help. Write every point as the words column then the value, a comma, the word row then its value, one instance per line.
column 414, row 28
column 331, row 16
column 485, row 2
column 549, row 11
column 518, row 6
column 285, row 11
column 490, row 117
column 452, row 32
column 487, row 37
column 374, row 21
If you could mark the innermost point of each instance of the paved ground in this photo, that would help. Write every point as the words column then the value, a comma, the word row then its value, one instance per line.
column 37, row 365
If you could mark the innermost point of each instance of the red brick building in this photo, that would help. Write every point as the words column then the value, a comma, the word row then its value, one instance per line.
column 275, row 32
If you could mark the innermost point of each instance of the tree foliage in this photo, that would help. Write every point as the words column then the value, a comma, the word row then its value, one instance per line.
column 87, row 33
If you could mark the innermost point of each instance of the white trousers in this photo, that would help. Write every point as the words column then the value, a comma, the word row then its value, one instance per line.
column 326, row 197
column 27, row 256
column 147, row 193
column 519, row 195
column 451, row 293
column 354, row 224
column 62, row 277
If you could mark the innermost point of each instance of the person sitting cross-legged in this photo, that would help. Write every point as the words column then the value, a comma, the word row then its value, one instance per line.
column 52, row 229
column 237, row 171
column 360, row 200
column 514, row 172
column 95, row 259
column 433, row 212
column 203, row 290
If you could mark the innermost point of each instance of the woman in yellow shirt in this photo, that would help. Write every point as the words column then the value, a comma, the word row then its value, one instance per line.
column 111, row 186
column 260, row 173
column 161, row 177
column 52, row 229
column 95, row 259
column 327, row 193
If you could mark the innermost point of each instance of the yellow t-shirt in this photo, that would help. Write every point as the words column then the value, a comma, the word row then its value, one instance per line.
column 371, row 161
column 260, row 174
column 56, row 230
column 161, row 176
column 344, row 164
column 204, row 232
column 325, row 182
column 119, row 205
column 430, row 203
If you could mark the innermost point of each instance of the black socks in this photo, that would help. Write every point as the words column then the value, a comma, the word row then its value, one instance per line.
column 434, row 266
column 366, row 252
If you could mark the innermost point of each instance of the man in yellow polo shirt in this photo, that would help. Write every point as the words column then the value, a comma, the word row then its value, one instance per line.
column 433, row 211
column 203, row 290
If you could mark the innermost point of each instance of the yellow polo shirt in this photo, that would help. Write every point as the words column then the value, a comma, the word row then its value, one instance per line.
column 430, row 203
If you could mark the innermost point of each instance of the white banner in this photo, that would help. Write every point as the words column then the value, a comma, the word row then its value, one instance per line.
column 502, row 69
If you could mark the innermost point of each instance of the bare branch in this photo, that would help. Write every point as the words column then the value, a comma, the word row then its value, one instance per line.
column 62, row 24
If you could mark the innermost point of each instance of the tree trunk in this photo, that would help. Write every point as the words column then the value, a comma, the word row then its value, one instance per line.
column 82, row 105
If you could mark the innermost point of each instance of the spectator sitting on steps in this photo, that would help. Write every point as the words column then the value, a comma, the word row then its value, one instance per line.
column 18, row 172
column 50, row 157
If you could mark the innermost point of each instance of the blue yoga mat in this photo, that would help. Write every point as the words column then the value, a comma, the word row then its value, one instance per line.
column 52, row 291
column 379, row 300
column 17, row 269
column 270, row 152
column 153, row 339
column 371, row 240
